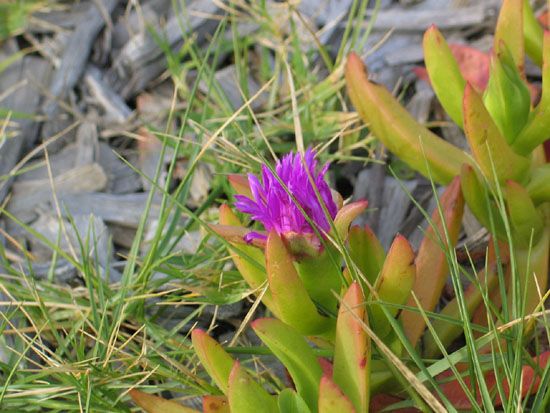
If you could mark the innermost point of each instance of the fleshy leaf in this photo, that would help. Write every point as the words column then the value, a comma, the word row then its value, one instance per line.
column 394, row 284
column 537, row 129
column 332, row 399
column 291, row 299
column 539, row 185
column 294, row 352
column 247, row 396
column 431, row 262
column 322, row 278
column 509, row 32
column 366, row 252
column 447, row 332
column 445, row 77
column 390, row 122
column 381, row 379
column 533, row 34
column 474, row 65
column 507, row 96
column 532, row 263
column 250, row 266
column 477, row 199
column 346, row 215
column 488, row 146
column 155, row 404
column 352, row 349
column 213, row 357
column 526, row 222
column 240, row 184
column 290, row 402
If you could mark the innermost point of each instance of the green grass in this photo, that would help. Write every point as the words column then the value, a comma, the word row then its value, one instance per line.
column 82, row 348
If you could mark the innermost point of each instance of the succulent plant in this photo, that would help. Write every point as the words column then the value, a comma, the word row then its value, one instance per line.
column 302, row 286
column 505, row 178
column 353, row 311
column 332, row 286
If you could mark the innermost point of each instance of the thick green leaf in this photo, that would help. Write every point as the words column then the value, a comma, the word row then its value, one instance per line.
column 390, row 122
column 352, row 349
column 294, row 352
column 489, row 147
column 249, row 260
column 247, row 396
column 447, row 332
column 332, row 400
column 445, row 77
column 322, row 278
column 526, row 221
column 533, row 33
column 366, row 252
column 155, row 404
column 539, row 185
column 394, row 284
column 240, row 184
column 346, row 215
column 431, row 261
column 478, row 200
column 507, row 97
column 537, row 129
column 213, row 357
column 509, row 32
column 290, row 402
column 382, row 378
column 292, row 301
column 532, row 264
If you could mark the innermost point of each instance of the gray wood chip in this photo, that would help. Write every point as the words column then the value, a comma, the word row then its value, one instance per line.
column 114, row 107
column 25, row 78
column 229, row 83
column 77, row 50
column 28, row 195
column 141, row 59
column 65, row 234
column 445, row 18
column 125, row 210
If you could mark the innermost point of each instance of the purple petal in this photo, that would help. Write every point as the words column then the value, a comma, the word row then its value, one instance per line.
column 275, row 208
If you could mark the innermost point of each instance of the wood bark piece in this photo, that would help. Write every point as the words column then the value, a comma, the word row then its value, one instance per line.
column 141, row 59
column 29, row 72
column 229, row 83
column 125, row 210
column 73, row 62
column 115, row 108
column 393, row 206
column 445, row 18
column 137, row 20
column 28, row 195
column 86, row 144
column 77, row 51
column 56, row 20
column 65, row 234
column 120, row 177
column 421, row 103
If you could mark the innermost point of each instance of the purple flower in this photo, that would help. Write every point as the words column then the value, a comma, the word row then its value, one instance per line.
column 273, row 206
